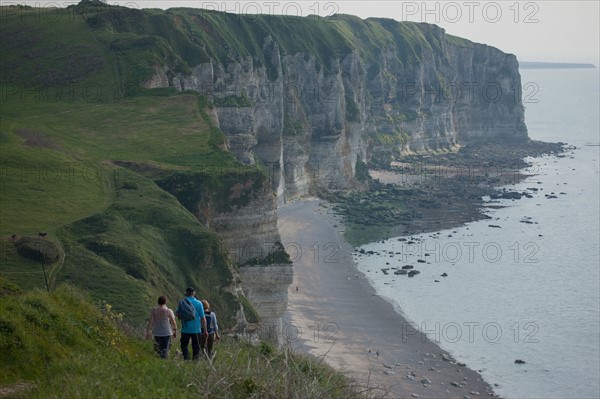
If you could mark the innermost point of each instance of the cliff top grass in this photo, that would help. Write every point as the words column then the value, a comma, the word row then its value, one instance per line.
column 63, row 345
column 58, row 158
column 94, row 42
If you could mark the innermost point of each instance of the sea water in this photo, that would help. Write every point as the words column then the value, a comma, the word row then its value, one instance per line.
column 524, row 284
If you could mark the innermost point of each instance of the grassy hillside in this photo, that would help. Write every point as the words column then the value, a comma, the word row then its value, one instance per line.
column 60, row 345
column 85, row 175
column 79, row 161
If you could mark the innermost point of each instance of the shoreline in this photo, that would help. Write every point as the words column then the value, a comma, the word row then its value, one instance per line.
column 428, row 193
column 334, row 314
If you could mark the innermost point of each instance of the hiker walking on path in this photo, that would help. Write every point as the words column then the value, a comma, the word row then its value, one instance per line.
column 207, row 341
column 163, row 326
column 191, row 313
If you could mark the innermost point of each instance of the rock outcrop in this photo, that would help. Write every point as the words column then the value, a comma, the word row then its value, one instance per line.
column 266, row 287
column 251, row 236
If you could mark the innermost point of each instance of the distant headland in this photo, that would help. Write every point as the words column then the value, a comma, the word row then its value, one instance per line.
column 554, row 65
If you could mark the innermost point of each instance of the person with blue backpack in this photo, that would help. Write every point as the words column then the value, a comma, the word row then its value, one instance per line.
column 191, row 313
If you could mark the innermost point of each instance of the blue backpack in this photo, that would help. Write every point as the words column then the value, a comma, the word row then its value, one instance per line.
column 186, row 310
column 208, row 316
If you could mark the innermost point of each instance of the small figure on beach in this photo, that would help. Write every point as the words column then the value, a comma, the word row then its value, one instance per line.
column 163, row 326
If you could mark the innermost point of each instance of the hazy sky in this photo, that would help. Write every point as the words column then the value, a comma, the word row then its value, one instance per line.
column 546, row 30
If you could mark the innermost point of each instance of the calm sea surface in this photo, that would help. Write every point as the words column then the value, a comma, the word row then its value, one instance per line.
column 529, row 287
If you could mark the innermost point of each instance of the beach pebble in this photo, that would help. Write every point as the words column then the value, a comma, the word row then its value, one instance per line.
column 414, row 395
column 474, row 393
column 389, row 372
column 388, row 366
column 455, row 384
column 425, row 381
column 446, row 357
column 410, row 377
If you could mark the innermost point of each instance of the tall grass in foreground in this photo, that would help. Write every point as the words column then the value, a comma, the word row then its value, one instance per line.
column 59, row 345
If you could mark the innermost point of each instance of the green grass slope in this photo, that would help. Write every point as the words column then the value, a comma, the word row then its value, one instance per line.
column 61, row 345
column 85, row 175
column 79, row 159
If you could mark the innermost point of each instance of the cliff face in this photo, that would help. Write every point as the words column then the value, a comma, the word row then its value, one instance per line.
column 251, row 236
column 310, row 99
column 309, row 119
column 310, row 116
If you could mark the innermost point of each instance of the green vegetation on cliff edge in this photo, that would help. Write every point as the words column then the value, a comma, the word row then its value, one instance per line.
column 61, row 345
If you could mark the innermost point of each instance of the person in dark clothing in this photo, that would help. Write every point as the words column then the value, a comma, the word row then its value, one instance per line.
column 207, row 341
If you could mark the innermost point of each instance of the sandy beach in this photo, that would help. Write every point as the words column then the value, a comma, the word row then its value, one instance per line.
column 334, row 314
